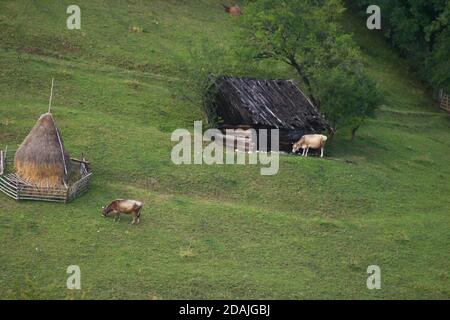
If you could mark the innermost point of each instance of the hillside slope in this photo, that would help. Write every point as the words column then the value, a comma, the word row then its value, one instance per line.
column 211, row 231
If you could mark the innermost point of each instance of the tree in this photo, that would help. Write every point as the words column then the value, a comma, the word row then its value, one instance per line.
column 282, row 30
column 419, row 29
column 306, row 35
column 347, row 99
column 437, row 64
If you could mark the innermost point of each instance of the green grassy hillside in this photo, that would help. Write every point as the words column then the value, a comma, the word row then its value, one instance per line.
column 222, row 232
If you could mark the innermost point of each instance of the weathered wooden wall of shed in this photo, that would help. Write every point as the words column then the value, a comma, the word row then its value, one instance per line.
column 444, row 100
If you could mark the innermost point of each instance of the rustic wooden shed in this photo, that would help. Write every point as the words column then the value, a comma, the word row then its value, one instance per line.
column 263, row 104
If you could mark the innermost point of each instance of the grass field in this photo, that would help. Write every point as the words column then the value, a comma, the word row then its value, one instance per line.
column 211, row 232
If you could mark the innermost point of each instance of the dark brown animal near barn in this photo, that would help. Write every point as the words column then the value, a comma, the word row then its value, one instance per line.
column 124, row 206
column 234, row 11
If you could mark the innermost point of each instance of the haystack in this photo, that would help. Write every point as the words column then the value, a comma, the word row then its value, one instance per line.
column 42, row 159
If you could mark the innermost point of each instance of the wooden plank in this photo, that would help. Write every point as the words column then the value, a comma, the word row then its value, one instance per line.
column 76, row 184
column 2, row 162
column 41, row 199
column 78, row 193
column 74, row 189
column 41, row 195
column 7, row 186
column 9, row 194
column 231, row 143
column 9, row 190
column 80, row 161
column 80, row 187
column 41, row 190
column 445, row 101
column 13, row 178
column 243, row 134
column 6, row 181
column 234, row 136
column 37, row 189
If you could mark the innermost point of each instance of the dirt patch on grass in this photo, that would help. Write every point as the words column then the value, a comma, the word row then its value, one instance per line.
column 67, row 46
column 33, row 50
column 57, row 48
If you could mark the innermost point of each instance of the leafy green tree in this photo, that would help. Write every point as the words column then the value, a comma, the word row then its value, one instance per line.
column 306, row 35
column 437, row 64
column 347, row 99
column 282, row 30
column 420, row 30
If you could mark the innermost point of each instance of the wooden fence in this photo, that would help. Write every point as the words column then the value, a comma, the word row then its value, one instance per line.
column 444, row 100
column 18, row 189
column 79, row 188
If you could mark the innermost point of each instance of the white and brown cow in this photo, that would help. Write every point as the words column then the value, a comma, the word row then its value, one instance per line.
column 314, row 141
column 124, row 206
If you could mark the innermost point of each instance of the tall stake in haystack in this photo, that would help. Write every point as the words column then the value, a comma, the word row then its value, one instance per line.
column 42, row 159
column 50, row 100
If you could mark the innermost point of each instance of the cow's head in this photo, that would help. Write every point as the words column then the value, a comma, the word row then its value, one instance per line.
column 105, row 211
column 295, row 147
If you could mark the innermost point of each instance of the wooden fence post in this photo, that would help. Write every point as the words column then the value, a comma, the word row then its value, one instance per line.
column 445, row 101
column 1, row 163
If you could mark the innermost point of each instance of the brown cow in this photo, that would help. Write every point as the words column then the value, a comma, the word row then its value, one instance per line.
column 234, row 11
column 124, row 206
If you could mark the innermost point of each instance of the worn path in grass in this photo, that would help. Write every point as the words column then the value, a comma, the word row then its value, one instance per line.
column 211, row 231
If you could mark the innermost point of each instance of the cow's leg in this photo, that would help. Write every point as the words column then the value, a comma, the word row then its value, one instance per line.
column 307, row 150
column 303, row 152
column 321, row 152
column 139, row 216
column 136, row 215
column 117, row 217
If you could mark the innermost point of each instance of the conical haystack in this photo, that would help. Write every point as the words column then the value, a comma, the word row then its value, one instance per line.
column 42, row 159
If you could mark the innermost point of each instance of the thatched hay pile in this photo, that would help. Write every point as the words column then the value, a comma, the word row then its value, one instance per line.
column 42, row 159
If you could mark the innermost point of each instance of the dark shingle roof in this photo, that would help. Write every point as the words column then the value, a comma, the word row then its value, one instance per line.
column 266, row 103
